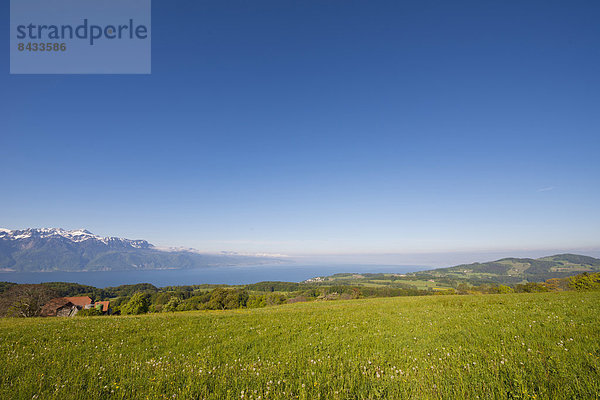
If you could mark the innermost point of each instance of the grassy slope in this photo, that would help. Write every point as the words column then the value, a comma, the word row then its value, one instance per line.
column 495, row 346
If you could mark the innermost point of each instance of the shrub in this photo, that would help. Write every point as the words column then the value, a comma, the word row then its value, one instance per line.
column 531, row 287
column 503, row 289
column 90, row 312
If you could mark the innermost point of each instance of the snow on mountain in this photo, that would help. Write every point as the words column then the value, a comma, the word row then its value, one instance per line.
column 75, row 236
column 55, row 249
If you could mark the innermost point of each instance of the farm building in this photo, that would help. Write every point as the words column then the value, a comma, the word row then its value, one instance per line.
column 80, row 301
column 69, row 306
column 59, row 307
column 104, row 305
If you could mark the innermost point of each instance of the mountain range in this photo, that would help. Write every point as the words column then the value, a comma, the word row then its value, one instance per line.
column 55, row 249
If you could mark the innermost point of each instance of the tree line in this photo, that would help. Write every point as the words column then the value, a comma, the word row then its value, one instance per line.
column 27, row 300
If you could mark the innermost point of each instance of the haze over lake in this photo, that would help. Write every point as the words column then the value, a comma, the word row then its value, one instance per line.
column 224, row 275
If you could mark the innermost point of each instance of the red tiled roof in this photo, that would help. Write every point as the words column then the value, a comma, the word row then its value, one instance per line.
column 49, row 309
column 104, row 305
column 80, row 300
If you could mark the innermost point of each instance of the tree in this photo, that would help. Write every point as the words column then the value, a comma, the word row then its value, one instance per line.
column 585, row 281
column 557, row 283
column 462, row 288
column 25, row 300
column 217, row 299
column 531, row 287
column 274, row 299
column 503, row 289
column 138, row 304
column 172, row 304
column 256, row 301
column 236, row 299
column 4, row 286
column 226, row 299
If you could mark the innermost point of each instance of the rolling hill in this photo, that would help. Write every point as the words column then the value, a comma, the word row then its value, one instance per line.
column 516, row 270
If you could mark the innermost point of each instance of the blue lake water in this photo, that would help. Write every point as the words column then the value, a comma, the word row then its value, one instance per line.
column 222, row 275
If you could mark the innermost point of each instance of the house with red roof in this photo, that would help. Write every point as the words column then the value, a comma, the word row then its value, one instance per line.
column 59, row 307
column 70, row 306
column 104, row 305
column 80, row 301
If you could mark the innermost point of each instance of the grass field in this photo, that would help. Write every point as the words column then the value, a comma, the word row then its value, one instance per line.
column 518, row 346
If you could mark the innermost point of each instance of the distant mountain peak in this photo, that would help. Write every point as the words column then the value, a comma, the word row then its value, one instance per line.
column 57, row 249
column 76, row 236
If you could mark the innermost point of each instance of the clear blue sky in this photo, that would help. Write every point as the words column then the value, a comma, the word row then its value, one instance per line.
column 323, row 127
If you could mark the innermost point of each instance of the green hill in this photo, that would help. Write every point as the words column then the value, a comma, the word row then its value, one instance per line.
column 516, row 270
column 507, row 271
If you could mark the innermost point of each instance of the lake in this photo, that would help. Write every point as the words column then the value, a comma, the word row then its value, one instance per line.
column 237, row 275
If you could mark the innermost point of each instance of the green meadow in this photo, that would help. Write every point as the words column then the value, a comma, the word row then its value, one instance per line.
column 513, row 346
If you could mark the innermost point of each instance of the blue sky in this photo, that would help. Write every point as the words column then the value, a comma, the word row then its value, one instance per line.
column 323, row 127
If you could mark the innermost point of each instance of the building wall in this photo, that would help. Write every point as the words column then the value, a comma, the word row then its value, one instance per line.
column 63, row 311
column 66, row 311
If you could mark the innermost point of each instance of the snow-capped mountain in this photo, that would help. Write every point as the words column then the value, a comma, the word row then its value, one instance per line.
column 55, row 249
column 75, row 236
